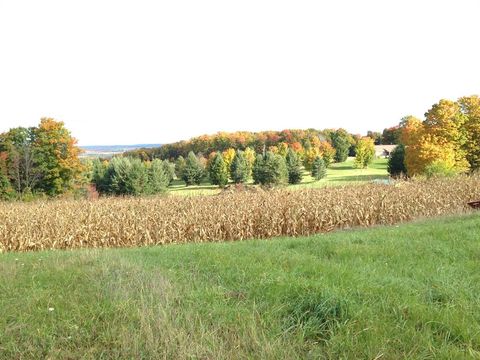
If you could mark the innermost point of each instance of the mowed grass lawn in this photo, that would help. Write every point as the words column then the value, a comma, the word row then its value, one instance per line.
column 408, row 291
column 337, row 174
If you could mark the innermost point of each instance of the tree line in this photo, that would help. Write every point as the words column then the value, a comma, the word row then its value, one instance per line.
column 307, row 142
column 44, row 160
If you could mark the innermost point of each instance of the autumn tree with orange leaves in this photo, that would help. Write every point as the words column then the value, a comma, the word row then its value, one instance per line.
column 448, row 138
column 41, row 159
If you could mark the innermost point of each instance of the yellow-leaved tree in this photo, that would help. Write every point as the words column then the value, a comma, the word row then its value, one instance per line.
column 57, row 156
column 444, row 123
column 228, row 156
column 470, row 108
column 250, row 156
column 428, row 143
column 365, row 152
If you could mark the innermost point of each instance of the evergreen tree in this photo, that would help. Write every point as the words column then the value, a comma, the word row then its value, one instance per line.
column 218, row 172
column 138, row 178
column 396, row 161
column 319, row 170
column 294, row 167
column 169, row 170
column 99, row 178
column 270, row 169
column 239, row 170
column 179, row 166
column 193, row 172
column 116, row 176
column 341, row 142
column 158, row 178
column 258, row 169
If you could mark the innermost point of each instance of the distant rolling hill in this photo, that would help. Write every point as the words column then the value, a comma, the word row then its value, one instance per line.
column 110, row 150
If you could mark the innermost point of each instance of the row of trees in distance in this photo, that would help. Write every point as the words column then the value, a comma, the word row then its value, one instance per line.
column 336, row 144
column 45, row 159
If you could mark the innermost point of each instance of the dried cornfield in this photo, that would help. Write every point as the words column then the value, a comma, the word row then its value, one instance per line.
column 125, row 222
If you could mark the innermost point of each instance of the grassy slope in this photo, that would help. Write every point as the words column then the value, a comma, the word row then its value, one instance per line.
column 389, row 292
column 337, row 174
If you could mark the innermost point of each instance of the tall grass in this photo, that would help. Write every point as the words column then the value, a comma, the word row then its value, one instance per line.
column 126, row 222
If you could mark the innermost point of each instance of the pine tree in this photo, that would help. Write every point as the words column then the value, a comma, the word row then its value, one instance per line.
column 99, row 170
column 116, row 176
column 218, row 172
column 294, row 167
column 239, row 169
column 179, row 166
column 270, row 169
column 341, row 141
column 158, row 179
column 396, row 161
column 138, row 181
column 258, row 169
column 319, row 171
column 193, row 172
column 169, row 170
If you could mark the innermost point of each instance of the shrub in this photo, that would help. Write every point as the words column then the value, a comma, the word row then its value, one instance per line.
column 270, row 169
column 439, row 168
column 218, row 172
column 193, row 171
column 396, row 161
column 6, row 191
column 294, row 167
column 319, row 170
column 239, row 171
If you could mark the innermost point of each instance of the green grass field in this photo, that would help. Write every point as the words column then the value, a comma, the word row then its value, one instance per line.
column 408, row 291
column 337, row 174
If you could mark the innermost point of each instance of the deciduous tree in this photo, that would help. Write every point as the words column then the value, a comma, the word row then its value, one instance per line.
column 57, row 153
column 365, row 152
column 470, row 108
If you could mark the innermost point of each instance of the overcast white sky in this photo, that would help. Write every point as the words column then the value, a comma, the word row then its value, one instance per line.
column 126, row 72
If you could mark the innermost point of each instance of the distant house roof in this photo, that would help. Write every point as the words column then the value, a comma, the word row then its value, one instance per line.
column 382, row 150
